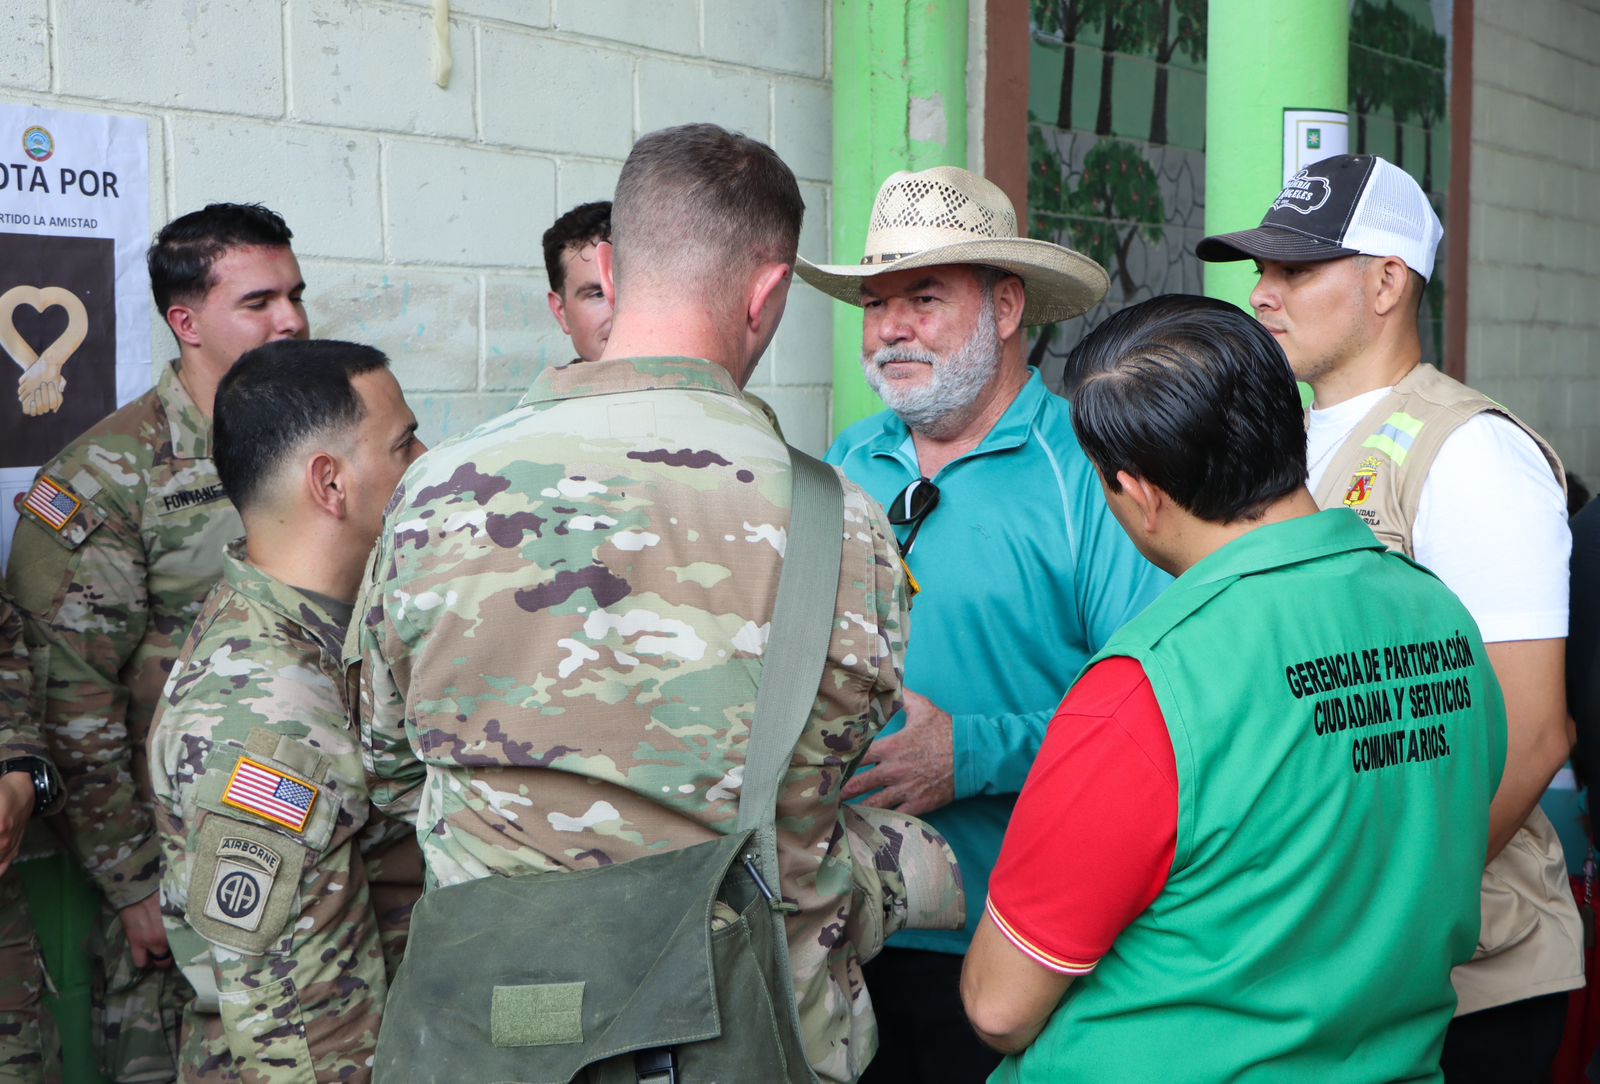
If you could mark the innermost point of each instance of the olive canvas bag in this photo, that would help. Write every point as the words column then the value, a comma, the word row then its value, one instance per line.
column 667, row 969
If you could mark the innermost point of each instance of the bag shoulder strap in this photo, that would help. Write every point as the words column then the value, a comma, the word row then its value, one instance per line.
column 797, row 639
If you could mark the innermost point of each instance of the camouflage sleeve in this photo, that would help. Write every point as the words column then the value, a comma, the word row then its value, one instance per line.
column 903, row 873
column 86, row 609
column 274, row 923
column 19, row 732
column 394, row 773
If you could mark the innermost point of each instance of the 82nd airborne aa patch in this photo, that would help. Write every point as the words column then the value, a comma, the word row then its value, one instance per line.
column 242, row 882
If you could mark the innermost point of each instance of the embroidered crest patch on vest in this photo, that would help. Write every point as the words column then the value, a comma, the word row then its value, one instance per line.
column 1362, row 481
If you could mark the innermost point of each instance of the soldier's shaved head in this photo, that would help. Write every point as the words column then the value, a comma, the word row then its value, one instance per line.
column 278, row 397
column 698, row 207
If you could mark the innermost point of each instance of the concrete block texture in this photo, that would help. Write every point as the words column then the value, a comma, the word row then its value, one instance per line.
column 25, row 44
column 802, row 127
column 426, row 321
column 324, row 182
column 451, row 204
column 520, row 337
column 671, row 92
column 535, row 13
column 359, row 65
column 550, row 95
column 222, row 56
column 787, row 36
column 671, row 26
column 440, row 417
column 583, row 182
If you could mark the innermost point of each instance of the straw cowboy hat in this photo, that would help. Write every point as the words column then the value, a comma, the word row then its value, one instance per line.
column 946, row 215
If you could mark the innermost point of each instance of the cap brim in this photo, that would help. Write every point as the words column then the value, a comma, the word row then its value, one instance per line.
column 1269, row 243
column 1060, row 283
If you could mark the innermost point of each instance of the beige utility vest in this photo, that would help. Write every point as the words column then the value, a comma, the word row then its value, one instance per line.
column 1531, row 942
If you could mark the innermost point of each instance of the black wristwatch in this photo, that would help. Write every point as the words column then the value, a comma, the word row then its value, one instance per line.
column 48, row 793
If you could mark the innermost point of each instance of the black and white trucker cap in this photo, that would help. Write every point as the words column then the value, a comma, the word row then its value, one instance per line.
column 1347, row 205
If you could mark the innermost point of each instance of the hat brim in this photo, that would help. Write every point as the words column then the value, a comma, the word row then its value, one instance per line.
column 1269, row 243
column 1060, row 283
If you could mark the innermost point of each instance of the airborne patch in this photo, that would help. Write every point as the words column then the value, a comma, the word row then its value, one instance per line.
column 52, row 503
column 242, row 882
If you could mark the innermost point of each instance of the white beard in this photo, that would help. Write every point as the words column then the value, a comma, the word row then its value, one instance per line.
column 954, row 385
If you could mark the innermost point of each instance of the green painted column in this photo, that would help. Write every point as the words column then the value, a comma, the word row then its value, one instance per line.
column 1264, row 56
column 899, row 102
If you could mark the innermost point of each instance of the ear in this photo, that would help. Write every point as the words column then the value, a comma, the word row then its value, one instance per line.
column 559, row 311
column 603, row 254
column 1010, row 298
column 325, row 485
column 1390, row 277
column 771, row 283
column 1149, row 499
column 181, row 319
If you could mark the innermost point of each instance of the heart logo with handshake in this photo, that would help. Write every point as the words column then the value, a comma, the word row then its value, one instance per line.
column 42, row 388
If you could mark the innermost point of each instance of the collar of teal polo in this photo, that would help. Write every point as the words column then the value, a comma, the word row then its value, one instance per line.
column 615, row 375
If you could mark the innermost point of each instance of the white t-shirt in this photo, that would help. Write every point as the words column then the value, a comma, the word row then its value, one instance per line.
column 1492, row 522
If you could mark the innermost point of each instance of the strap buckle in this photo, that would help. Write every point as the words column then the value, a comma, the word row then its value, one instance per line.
column 656, row 1066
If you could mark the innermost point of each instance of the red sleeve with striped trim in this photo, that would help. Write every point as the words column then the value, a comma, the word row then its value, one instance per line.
column 1092, row 839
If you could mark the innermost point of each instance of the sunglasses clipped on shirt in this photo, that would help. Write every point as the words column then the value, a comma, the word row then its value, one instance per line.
column 911, row 508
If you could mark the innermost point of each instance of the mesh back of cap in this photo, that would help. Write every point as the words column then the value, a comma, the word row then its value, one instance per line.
column 1394, row 218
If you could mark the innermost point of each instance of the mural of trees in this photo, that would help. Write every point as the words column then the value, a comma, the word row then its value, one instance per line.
column 1187, row 35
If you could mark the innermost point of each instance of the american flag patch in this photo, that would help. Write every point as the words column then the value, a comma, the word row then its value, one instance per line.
column 267, row 792
column 52, row 503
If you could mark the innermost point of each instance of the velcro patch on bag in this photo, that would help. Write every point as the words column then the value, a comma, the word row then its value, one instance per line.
column 542, row 1014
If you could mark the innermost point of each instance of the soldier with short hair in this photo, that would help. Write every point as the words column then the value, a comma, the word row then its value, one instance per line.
column 30, row 1050
column 576, row 300
column 118, row 543
column 279, row 879
column 565, row 622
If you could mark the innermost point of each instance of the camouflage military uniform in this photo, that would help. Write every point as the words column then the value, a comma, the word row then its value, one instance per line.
column 563, row 631
column 265, row 893
column 110, row 593
column 29, row 1048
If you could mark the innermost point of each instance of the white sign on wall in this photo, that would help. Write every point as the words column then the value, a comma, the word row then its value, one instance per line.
column 1310, row 135
column 74, row 290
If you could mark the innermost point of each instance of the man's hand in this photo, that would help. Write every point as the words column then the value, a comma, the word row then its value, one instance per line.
column 147, row 937
column 16, row 806
column 915, row 768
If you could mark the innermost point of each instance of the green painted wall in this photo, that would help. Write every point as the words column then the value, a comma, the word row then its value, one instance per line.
column 899, row 102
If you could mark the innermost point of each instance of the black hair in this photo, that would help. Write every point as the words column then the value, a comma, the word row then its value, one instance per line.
column 275, row 398
column 180, row 260
column 585, row 224
column 1193, row 396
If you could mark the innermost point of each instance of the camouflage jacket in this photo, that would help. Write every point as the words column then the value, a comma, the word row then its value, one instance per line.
column 110, row 590
column 19, row 733
column 563, row 630
column 265, row 827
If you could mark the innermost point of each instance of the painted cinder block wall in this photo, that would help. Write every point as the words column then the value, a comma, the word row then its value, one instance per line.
column 1533, row 325
column 417, row 210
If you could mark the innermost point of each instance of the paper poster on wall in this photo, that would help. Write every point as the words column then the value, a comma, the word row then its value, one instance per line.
column 1310, row 135
column 74, row 291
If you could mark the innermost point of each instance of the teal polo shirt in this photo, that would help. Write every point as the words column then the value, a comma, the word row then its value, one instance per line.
column 1025, row 575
